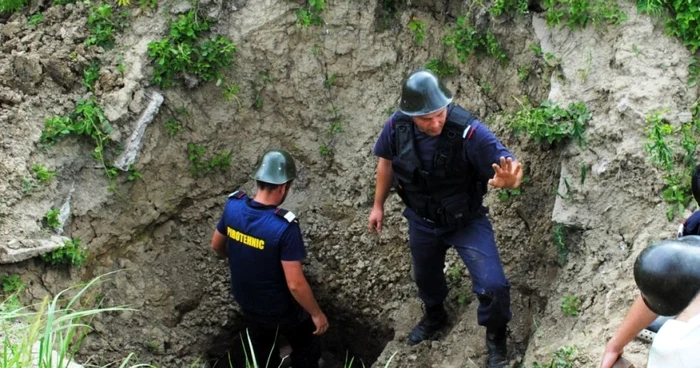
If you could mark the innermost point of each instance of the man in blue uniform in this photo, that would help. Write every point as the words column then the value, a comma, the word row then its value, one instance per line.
column 264, row 248
column 440, row 160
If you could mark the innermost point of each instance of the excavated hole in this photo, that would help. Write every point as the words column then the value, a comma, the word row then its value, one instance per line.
column 351, row 335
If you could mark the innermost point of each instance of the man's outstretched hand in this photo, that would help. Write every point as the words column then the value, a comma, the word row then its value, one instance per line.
column 508, row 175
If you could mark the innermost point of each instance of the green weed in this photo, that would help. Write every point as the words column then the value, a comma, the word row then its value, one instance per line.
column 683, row 19
column 310, row 13
column 417, row 27
column 183, row 52
column 70, row 254
column 230, row 92
column 694, row 72
column 536, row 49
column 507, row 194
column 35, row 19
column 570, row 305
column 28, row 185
column 657, row 132
column 467, row 41
column 552, row 123
column 43, row 174
column 263, row 79
column 335, row 126
column 441, row 67
column 88, row 119
column 148, row 4
column 12, row 286
column 172, row 125
column 559, row 243
column 199, row 166
column 579, row 13
column 486, row 86
column 102, row 25
column 523, row 72
column 51, row 218
column 11, row 6
column 564, row 357
column 90, row 75
column 133, row 174
column 506, row 6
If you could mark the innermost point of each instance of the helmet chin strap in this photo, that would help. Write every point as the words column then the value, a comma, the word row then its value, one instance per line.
column 668, row 275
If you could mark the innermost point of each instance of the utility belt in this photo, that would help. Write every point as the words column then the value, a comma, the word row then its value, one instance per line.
column 452, row 211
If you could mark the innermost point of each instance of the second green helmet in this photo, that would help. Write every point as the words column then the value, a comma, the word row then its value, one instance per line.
column 275, row 167
column 422, row 93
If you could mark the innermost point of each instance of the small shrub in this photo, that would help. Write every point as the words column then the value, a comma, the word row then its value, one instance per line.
column 657, row 132
column 102, row 24
column 579, row 13
column 70, row 254
column 441, row 67
column 133, row 174
column 43, row 174
column 564, row 357
column 523, row 72
column 11, row 284
column 52, row 220
column 570, row 305
column 417, row 27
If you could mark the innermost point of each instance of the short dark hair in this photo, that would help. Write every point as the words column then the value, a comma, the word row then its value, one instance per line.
column 269, row 186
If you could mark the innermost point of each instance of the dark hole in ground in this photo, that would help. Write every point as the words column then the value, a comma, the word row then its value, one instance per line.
column 351, row 335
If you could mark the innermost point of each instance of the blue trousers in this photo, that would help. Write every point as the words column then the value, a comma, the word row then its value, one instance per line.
column 476, row 245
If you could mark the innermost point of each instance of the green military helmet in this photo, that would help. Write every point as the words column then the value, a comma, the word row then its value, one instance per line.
column 275, row 167
column 422, row 93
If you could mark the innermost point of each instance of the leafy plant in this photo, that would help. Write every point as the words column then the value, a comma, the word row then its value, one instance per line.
column 88, row 119
column 335, row 126
column 148, row 4
column 172, row 125
column 263, row 79
column 43, row 174
column 441, row 67
column 417, row 27
column 467, row 41
column 552, row 123
column 486, row 86
column 559, row 243
column 183, row 52
column 536, row 49
column 578, row 13
column 51, row 218
column 231, row 91
column 101, row 24
column 506, row 6
column 657, row 131
column 133, row 174
column 35, row 19
column 683, row 19
column 90, row 75
column 523, row 72
column 28, row 185
column 70, row 254
column 310, row 14
column 564, row 357
column 570, row 305
column 199, row 166
column 12, row 286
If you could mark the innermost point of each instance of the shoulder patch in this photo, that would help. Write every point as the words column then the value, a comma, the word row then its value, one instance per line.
column 237, row 194
column 287, row 215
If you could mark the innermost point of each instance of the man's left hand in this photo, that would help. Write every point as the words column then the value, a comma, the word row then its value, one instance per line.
column 508, row 175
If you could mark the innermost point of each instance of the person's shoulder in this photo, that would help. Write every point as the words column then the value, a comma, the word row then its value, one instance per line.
column 286, row 216
column 691, row 225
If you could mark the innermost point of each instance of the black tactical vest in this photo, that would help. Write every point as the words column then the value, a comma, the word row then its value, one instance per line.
column 449, row 194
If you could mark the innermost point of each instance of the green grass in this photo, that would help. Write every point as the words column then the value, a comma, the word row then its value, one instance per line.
column 578, row 14
column 35, row 19
column 186, row 50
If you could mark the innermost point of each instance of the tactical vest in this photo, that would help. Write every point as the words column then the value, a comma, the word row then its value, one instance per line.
column 252, row 243
column 449, row 193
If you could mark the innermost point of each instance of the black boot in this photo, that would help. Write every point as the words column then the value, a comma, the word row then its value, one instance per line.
column 434, row 319
column 497, row 348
